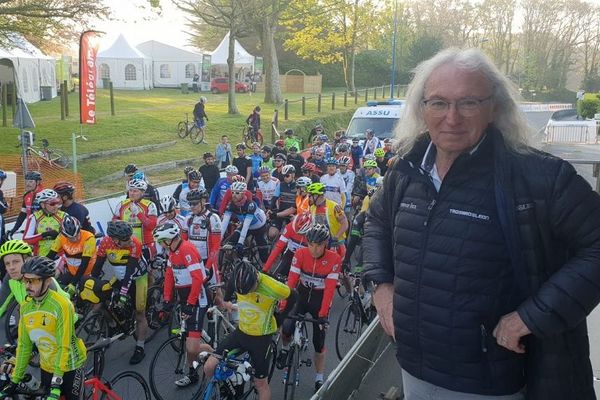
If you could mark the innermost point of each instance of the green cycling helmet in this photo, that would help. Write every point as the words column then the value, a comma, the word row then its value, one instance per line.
column 370, row 164
column 15, row 246
column 316, row 188
column 379, row 152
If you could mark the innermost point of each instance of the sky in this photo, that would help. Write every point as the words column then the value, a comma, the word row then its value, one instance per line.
column 140, row 25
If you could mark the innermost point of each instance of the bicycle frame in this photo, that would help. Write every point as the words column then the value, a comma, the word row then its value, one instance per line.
column 216, row 315
column 100, row 390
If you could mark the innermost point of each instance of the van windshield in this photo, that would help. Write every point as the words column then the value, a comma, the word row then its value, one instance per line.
column 382, row 127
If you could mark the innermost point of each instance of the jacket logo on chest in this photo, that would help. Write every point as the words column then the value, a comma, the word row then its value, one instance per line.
column 525, row 207
column 469, row 214
column 410, row 206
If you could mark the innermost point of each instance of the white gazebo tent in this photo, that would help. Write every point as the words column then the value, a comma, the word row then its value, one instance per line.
column 125, row 66
column 242, row 59
column 24, row 64
column 172, row 66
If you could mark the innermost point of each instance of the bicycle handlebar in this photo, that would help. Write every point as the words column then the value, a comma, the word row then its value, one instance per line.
column 302, row 318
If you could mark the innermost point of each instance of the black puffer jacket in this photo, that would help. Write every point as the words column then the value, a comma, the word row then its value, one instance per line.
column 548, row 217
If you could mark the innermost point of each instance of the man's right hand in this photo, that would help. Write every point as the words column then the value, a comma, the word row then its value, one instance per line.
column 383, row 298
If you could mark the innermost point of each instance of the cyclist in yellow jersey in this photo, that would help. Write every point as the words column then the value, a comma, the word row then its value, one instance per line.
column 141, row 214
column 43, row 225
column 327, row 212
column 47, row 320
column 257, row 299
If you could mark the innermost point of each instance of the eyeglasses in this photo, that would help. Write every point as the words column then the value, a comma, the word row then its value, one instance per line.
column 467, row 107
column 237, row 192
column 194, row 203
column 289, row 175
column 31, row 281
column 53, row 202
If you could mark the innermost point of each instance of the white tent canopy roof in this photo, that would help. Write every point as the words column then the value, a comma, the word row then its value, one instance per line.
column 121, row 49
column 164, row 52
column 20, row 47
column 241, row 56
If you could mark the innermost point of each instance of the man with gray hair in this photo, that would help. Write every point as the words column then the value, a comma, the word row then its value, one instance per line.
column 484, row 252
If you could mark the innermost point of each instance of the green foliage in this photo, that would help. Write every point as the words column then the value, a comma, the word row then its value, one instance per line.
column 558, row 95
column 588, row 107
column 373, row 68
column 423, row 48
column 591, row 83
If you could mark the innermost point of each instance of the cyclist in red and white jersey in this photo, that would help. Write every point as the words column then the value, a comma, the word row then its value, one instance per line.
column 33, row 185
column 185, row 273
column 290, row 240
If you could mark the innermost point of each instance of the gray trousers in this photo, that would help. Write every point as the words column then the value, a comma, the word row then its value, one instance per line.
column 416, row 389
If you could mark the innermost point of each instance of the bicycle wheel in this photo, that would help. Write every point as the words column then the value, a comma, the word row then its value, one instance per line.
column 130, row 385
column 11, row 322
column 92, row 328
column 348, row 330
column 58, row 157
column 168, row 366
column 259, row 138
column 246, row 137
column 212, row 392
column 182, row 130
column 197, row 134
column 292, row 374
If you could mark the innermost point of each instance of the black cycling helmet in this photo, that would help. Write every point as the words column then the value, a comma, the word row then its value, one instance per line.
column 208, row 154
column 319, row 233
column 245, row 277
column 40, row 266
column 288, row 132
column 70, row 226
column 64, row 187
column 119, row 230
column 194, row 175
column 130, row 169
column 266, row 149
column 241, row 146
column 196, row 195
column 33, row 176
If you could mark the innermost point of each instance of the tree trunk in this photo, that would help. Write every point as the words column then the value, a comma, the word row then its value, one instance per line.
column 352, row 87
column 231, row 104
column 271, row 64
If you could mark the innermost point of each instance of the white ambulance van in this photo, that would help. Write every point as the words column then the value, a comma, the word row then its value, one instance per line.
column 381, row 116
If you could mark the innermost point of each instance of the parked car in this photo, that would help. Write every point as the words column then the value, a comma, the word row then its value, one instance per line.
column 221, row 85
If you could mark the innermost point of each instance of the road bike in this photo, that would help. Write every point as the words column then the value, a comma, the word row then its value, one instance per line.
column 126, row 385
column 251, row 135
column 231, row 375
column 297, row 355
column 356, row 315
column 190, row 128
column 37, row 156
column 170, row 364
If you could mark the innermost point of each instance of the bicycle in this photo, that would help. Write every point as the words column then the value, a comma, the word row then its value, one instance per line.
column 357, row 314
column 295, row 360
column 230, row 377
column 191, row 129
column 169, row 364
column 126, row 385
column 48, row 154
column 251, row 135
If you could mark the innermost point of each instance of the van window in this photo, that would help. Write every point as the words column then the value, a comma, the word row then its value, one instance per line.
column 382, row 127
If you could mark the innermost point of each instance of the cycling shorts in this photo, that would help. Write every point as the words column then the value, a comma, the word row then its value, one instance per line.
column 195, row 322
column 311, row 304
column 72, row 386
column 200, row 123
column 138, row 291
column 259, row 348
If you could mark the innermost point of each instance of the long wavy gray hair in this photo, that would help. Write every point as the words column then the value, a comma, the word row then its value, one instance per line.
column 508, row 118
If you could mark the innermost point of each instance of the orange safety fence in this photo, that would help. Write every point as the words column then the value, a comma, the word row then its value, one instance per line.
column 51, row 174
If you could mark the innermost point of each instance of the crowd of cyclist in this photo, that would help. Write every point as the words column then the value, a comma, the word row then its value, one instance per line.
column 293, row 212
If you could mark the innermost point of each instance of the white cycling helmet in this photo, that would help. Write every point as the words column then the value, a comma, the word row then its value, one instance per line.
column 168, row 203
column 238, row 186
column 303, row 181
column 166, row 231
column 45, row 195
column 231, row 169
column 288, row 169
column 137, row 184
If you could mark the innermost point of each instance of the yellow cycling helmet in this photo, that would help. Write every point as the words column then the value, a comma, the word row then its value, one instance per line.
column 316, row 188
column 370, row 164
column 379, row 152
column 15, row 246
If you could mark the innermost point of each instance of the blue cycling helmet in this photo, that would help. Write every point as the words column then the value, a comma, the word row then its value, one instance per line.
column 2, row 174
column 139, row 175
column 331, row 161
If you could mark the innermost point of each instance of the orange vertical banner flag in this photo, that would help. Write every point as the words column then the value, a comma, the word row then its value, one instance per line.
column 88, row 51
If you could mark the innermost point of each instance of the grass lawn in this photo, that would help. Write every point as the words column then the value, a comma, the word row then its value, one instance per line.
column 148, row 117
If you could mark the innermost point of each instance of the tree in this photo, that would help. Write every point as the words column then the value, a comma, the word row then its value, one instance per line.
column 223, row 14
column 423, row 48
column 45, row 22
column 330, row 31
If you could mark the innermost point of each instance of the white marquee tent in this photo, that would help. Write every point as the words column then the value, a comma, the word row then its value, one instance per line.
column 125, row 66
column 32, row 70
column 171, row 65
column 241, row 57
